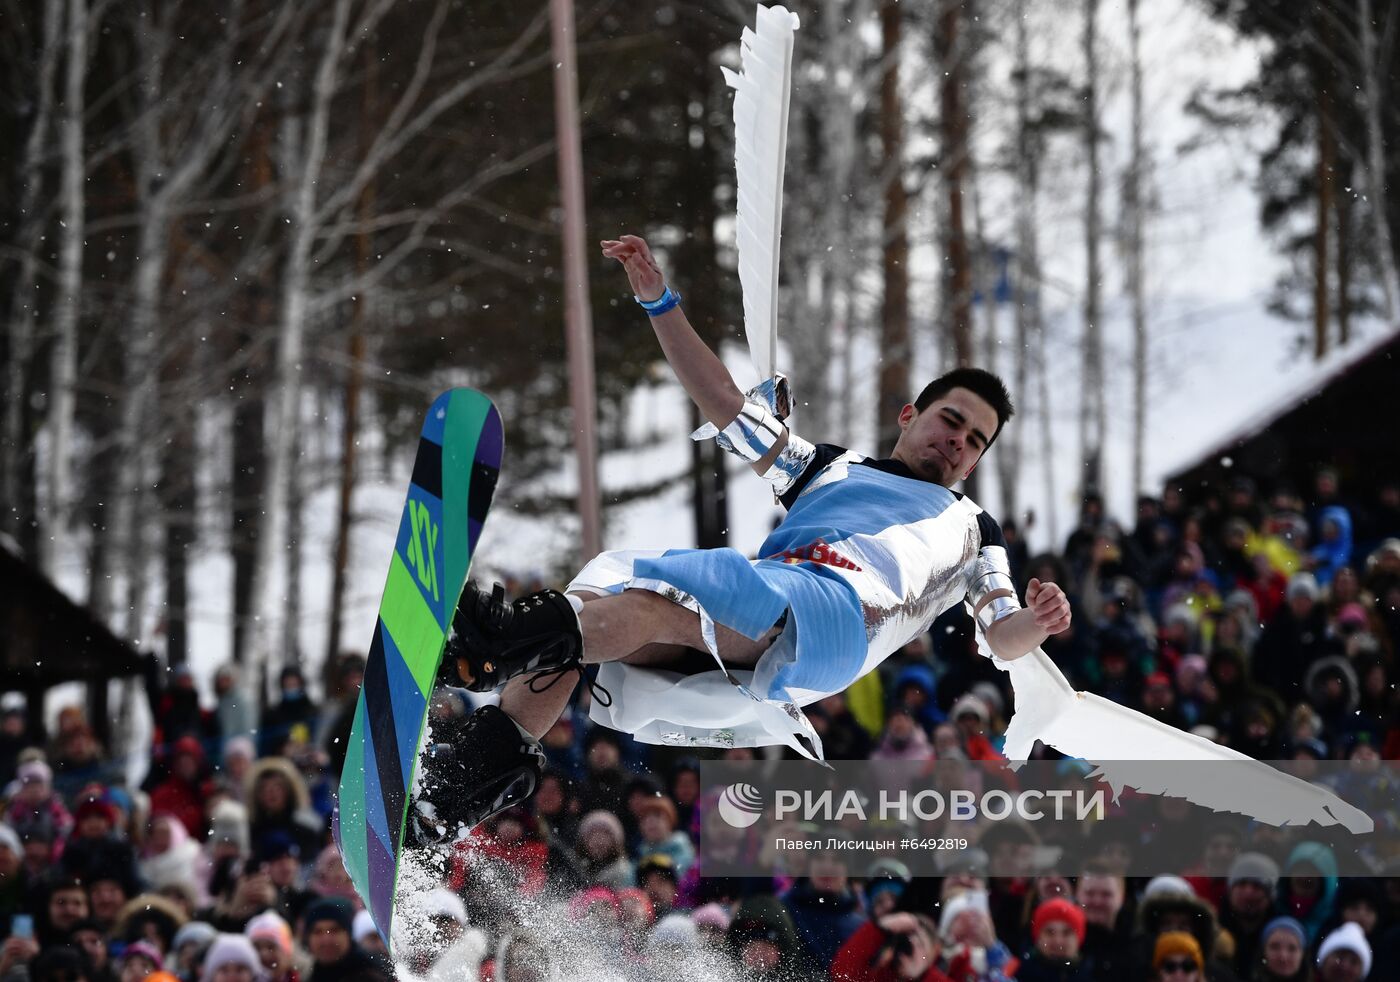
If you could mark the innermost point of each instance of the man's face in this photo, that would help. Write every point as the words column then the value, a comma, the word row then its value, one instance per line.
column 283, row 870
column 107, row 897
column 1249, row 898
column 67, row 906
column 1101, row 897
column 328, row 942
column 944, row 442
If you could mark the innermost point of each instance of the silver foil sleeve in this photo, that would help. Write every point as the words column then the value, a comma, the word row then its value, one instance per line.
column 758, row 426
column 791, row 462
column 989, row 572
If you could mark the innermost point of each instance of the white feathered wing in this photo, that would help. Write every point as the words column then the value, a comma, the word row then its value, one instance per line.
column 1133, row 750
column 761, row 93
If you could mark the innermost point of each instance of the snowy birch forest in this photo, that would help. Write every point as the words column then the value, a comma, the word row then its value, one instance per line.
column 242, row 246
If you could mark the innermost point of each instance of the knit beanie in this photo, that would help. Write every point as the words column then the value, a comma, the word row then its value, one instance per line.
column 231, row 949
column 1059, row 909
column 1171, row 943
column 959, row 904
column 329, row 909
column 1348, row 937
column 269, row 925
column 1289, row 924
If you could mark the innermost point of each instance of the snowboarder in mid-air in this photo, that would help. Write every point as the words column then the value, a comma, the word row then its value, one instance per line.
column 709, row 648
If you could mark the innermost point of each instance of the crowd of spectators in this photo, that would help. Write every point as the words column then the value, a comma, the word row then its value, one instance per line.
column 1267, row 623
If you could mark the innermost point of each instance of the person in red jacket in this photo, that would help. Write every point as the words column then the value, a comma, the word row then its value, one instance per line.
column 897, row 947
column 182, row 793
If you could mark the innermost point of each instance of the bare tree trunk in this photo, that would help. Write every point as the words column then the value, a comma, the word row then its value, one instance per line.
column 894, row 307
column 985, row 270
column 1091, row 407
column 64, row 363
column 1345, row 216
column 1326, row 166
column 950, row 52
column 101, row 475
column 1047, row 432
column 309, row 156
column 355, row 374
column 290, row 642
column 841, row 45
column 1136, row 214
column 17, row 465
column 1027, row 267
column 179, row 515
column 249, row 460
column 1375, row 164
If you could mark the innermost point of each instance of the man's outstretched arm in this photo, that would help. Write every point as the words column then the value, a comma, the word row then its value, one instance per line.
column 701, row 372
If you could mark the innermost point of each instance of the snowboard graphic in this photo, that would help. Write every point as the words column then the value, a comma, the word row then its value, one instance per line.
column 454, row 476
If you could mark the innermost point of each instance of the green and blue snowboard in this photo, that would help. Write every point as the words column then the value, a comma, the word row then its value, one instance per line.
column 454, row 476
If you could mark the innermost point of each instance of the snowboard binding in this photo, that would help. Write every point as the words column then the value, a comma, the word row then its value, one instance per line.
column 493, row 640
column 476, row 767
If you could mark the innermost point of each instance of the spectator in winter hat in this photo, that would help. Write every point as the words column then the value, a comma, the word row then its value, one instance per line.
column 601, row 840
column 454, row 950
column 1344, row 956
column 367, row 936
column 764, row 940
column 656, row 874
column 231, row 958
column 278, row 801
column 711, row 921
column 969, row 937
column 169, row 853
column 182, row 793
column 1249, row 903
column 1176, row 957
column 1281, row 952
column 970, row 715
column 1057, row 928
column 152, row 918
column 190, row 945
column 673, row 933
column 139, row 960
column 656, row 819
column 35, row 806
column 903, row 739
column 1308, row 890
column 327, row 926
column 271, row 938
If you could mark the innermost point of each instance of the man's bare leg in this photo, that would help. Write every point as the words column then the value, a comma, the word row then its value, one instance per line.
column 637, row 627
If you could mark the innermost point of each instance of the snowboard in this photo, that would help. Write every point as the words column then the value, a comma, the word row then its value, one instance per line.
column 454, row 476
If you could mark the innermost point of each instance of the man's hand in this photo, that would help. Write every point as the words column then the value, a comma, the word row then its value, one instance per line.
column 648, row 282
column 913, row 959
column 1050, row 606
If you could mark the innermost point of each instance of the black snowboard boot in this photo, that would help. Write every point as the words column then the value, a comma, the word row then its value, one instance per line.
column 493, row 640
column 475, row 767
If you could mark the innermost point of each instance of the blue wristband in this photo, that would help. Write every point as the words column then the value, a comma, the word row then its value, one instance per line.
column 667, row 301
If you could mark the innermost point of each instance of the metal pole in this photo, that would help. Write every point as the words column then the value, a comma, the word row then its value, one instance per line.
column 577, row 318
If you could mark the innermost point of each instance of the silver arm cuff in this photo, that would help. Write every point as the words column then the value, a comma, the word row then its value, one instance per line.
column 791, row 462
column 758, row 426
column 991, row 571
